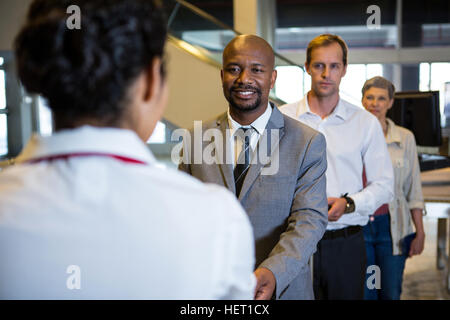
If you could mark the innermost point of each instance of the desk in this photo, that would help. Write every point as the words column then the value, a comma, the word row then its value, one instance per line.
column 436, row 192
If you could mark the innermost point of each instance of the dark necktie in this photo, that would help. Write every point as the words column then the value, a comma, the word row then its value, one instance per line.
column 243, row 161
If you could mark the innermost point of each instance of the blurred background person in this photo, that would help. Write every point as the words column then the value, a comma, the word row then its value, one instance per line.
column 88, row 213
column 354, row 141
column 389, row 235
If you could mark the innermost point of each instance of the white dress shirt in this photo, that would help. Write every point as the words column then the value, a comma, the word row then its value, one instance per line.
column 259, row 125
column 354, row 139
column 117, row 230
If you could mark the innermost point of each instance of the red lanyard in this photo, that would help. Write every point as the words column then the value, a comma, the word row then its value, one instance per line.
column 87, row 154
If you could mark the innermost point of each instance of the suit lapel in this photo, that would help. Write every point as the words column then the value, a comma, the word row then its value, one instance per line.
column 225, row 164
column 276, row 122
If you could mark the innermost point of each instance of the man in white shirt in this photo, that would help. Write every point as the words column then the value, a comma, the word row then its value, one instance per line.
column 287, row 206
column 354, row 142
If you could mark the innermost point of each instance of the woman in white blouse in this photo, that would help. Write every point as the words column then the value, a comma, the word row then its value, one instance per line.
column 88, row 213
column 389, row 235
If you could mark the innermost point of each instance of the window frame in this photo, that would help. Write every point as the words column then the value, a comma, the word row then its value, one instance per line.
column 5, row 110
column 20, row 110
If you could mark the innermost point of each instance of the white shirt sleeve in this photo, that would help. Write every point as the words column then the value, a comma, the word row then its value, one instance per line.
column 379, row 172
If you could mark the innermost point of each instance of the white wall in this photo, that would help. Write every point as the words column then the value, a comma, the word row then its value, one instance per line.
column 195, row 89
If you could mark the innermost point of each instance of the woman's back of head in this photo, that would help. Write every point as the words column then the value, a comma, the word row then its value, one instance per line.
column 86, row 73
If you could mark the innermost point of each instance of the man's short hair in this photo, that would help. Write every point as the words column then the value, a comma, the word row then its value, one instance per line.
column 381, row 83
column 325, row 40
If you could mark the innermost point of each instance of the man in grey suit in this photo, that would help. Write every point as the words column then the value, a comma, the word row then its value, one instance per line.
column 274, row 164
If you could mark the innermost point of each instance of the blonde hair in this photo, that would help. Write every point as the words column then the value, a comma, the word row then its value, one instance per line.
column 325, row 40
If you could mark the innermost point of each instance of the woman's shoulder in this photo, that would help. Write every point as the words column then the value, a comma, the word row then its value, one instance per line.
column 403, row 132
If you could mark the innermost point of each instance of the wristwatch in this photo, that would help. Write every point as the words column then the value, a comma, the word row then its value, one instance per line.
column 350, row 206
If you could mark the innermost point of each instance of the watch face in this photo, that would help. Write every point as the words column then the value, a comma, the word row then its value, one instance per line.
column 350, row 207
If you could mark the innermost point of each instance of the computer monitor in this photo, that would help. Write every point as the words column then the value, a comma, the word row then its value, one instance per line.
column 418, row 112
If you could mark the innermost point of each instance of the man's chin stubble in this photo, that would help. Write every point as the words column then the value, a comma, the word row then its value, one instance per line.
column 326, row 94
column 244, row 109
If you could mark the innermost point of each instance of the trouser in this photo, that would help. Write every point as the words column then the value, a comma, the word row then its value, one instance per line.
column 339, row 265
column 377, row 235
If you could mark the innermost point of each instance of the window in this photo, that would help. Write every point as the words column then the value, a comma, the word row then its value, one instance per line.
column 436, row 34
column 3, row 136
column 295, row 38
column 2, row 90
column 159, row 134
column 424, row 75
column 3, row 123
column 353, row 81
column 293, row 83
column 289, row 86
column 435, row 76
column 45, row 118
column 46, row 124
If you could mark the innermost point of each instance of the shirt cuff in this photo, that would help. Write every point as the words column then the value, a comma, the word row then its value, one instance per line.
column 416, row 205
column 363, row 205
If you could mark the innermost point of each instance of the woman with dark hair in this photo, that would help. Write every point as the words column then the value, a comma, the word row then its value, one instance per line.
column 87, row 213
column 389, row 234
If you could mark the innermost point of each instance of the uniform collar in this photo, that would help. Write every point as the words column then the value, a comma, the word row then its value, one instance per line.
column 393, row 133
column 87, row 139
column 339, row 111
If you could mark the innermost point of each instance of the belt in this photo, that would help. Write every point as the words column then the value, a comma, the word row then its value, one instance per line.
column 340, row 233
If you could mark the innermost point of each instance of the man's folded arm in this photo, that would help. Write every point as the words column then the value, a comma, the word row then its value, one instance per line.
column 379, row 173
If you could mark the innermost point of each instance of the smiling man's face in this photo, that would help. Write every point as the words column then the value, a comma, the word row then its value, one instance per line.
column 248, row 73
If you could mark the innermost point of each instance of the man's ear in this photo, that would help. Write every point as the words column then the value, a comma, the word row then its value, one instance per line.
column 307, row 68
column 273, row 78
column 153, row 79
column 345, row 71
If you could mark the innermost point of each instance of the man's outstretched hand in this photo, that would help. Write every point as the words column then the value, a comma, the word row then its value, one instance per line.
column 265, row 284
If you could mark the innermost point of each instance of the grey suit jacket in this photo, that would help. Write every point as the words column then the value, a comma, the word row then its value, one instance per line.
column 288, row 210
